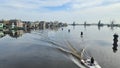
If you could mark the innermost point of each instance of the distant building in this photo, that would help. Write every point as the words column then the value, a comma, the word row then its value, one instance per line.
column 26, row 24
column 1, row 25
column 16, row 24
column 6, row 23
column 42, row 25
column 55, row 24
column 36, row 25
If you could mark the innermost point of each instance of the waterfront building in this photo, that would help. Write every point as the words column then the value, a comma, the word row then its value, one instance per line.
column 1, row 25
column 27, row 24
column 42, row 25
column 16, row 24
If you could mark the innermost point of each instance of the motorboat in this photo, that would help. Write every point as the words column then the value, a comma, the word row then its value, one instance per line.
column 78, row 59
column 87, row 63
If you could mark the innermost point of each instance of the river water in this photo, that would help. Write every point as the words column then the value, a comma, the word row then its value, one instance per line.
column 35, row 48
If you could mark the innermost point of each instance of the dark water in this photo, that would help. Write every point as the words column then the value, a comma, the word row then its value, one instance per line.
column 34, row 49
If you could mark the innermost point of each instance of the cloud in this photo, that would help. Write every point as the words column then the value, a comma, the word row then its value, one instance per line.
column 33, row 4
column 105, row 13
column 42, row 4
column 78, row 4
column 61, row 10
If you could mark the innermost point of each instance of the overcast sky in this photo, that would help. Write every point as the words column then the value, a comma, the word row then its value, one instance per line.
column 61, row 10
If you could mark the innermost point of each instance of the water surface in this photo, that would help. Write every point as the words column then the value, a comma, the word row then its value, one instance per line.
column 34, row 49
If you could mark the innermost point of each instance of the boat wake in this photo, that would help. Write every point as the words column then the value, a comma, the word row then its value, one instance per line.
column 73, row 54
column 76, row 61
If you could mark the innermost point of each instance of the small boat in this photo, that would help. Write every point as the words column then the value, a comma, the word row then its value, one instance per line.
column 77, row 58
column 84, row 63
column 87, row 63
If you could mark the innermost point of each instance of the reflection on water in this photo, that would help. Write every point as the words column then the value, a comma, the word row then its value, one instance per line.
column 31, row 49
column 12, row 33
column 18, row 33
